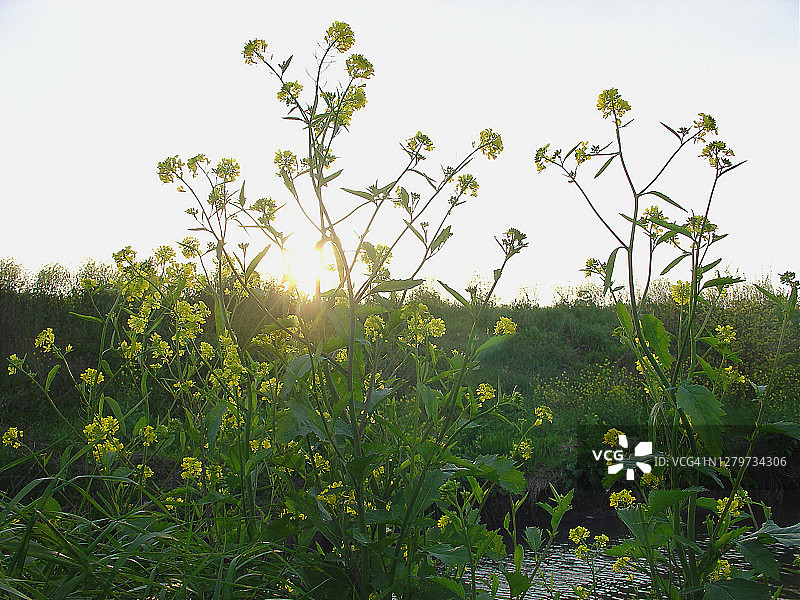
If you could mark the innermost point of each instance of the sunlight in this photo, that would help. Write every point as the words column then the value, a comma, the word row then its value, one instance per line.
column 303, row 264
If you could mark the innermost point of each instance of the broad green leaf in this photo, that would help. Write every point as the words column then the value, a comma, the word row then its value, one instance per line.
column 788, row 536
column 396, row 285
column 760, row 557
column 518, row 583
column 786, row 428
column 456, row 588
column 449, row 555
column 213, row 422
column 492, row 344
column 660, row 500
column 736, row 589
column 706, row 413
column 658, row 338
column 533, row 535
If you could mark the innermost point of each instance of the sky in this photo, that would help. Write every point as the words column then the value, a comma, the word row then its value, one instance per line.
column 93, row 94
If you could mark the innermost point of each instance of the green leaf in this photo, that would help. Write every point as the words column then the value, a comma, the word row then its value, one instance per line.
column 706, row 413
column 326, row 180
column 760, row 557
column 660, row 500
column 50, row 377
column 456, row 588
column 777, row 300
column 624, row 318
column 254, row 263
column 533, row 535
column 501, row 470
column 443, row 236
column 672, row 226
column 673, row 264
column 455, row 294
column 736, row 589
column 788, row 536
column 449, row 555
column 518, row 583
column 710, row 266
column 655, row 333
column 786, row 428
column 365, row 195
column 720, row 281
column 605, row 166
column 213, row 422
column 610, row 269
column 396, row 285
column 671, row 130
column 287, row 181
column 491, row 344
column 666, row 199
column 87, row 317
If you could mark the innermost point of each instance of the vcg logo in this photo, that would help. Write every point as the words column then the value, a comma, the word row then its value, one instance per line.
column 618, row 459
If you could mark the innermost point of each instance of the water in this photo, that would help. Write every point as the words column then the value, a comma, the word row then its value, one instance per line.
column 568, row 570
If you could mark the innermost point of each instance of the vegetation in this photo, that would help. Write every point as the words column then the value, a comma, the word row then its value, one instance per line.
column 181, row 428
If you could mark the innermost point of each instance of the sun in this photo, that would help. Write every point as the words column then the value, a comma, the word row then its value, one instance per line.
column 304, row 264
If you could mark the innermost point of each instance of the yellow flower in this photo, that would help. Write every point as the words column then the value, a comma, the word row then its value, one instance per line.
column 15, row 363
column 578, row 534
column 622, row 499
column 621, row 564
column 13, row 437
column 725, row 334
column 505, row 326
column 146, row 471
column 484, row 392
column 601, row 541
column 650, row 480
column 373, row 326
column 92, row 376
column 149, row 435
column 523, row 449
column 722, row 570
column 45, row 340
column 611, row 438
column 443, row 522
column 542, row 413
column 192, row 468
column 681, row 293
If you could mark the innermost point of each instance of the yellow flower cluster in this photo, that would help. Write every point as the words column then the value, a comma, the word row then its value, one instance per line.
column 145, row 471
column 192, row 468
column 231, row 372
column 335, row 494
column 611, row 438
column 484, row 393
column 725, row 334
column 681, row 292
column 13, row 437
column 373, row 327
column 14, row 364
column 100, row 436
column 722, row 570
column 45, row 340
column 622, row 499
column 578, row 534
column 92, row 377
column 524, row 449
column 443, row 522
column 623, row 565
column 256, row 445
column 542, row 413
column 740, row 500
column 420, row 324
column 651, row 480
column 149, row 435
column 505, row 326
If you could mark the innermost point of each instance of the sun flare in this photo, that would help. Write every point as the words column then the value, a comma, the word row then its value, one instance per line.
column 304, row 264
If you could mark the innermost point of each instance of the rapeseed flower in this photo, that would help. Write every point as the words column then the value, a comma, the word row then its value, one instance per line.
column 505, row 326
column 92, row 376
column 13, row 437
column 443, row 522
column 45, row 340
column 622, row 499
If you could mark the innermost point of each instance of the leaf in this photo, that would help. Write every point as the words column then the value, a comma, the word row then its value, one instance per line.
column 760, row 557
column 660, row 500
column 213, row 422
column 720, row 281
column 326, row 180
column 533, row 535
column 666, row 199
column 241, row 195
column 706, row 413
column 655, row 333
column 777, row 300
column 518, row 583
column 254, row 263
column 365, row 195
column 287, row 181
column 449, row 555
column 672, row 226
column 414, row 230
column 443, row 236
column 455, row 587
column 86, row 317
column 610, row 269
column 671, row 130
column 605, row 166
column 787, row 536
column 396, row 285
column 786, row 428
column 624, row 318
column 735, row 589
column 50, row 377
column 502, row 471
column 455, row 294
column 491, row 345
column 710, row 266
column 673, row 264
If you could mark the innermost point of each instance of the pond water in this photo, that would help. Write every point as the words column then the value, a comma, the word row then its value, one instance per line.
column 568, row 570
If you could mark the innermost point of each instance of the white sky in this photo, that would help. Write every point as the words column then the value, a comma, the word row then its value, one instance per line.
column 94, row 94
